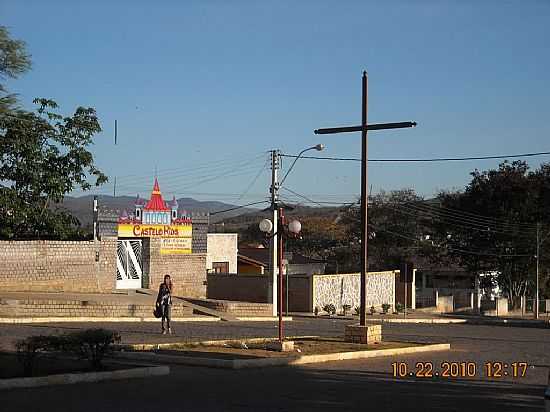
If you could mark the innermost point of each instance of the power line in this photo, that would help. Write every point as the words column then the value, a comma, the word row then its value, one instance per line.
column 262, row 169
column 462, row 220
column 471, row 252
column 299, row 195
column 475, row 215
column 238, row 207
column 414, row 213
column 436, row 159
column 454, row 214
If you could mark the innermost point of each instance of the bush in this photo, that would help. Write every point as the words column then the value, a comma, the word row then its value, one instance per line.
column 399, row 307
column 29, row 348
column 385, row 307
column 357, row 310
column 372, row 310
column 92, row 344
column 346, row 308
column 330, row 309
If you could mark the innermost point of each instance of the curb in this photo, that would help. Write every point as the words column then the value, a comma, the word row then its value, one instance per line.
column 263, row 318
column 71, row 378
column 97, row 319
column 282, row 361
column 542, row 324
column 420, row 320
column 177, row 345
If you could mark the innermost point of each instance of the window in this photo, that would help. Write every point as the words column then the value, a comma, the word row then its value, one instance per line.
column 220, row 267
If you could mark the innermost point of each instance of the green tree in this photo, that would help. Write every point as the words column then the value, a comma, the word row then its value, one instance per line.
column 490, row 226
column 43, row 157
column 14, row 61
column 393, row 232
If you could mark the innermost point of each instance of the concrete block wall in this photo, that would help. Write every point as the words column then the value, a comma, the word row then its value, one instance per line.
column 58, row 266
column 188, row 271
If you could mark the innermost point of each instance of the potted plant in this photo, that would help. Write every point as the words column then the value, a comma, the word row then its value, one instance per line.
column 316, row 310
column 357, row 310
column 399, row 307
column 385, row 308
column 330, row 309
column 372, row 310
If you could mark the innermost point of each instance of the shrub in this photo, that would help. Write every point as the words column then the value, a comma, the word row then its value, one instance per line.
column 385, row 307
column 372, row 310
column 399, row 307
column 330, row 309
column 92, row 344
column 346, row 308
column 357, row 310
column 29, row 348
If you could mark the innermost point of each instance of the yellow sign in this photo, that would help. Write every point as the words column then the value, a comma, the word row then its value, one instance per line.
column 163, row 231
column 175, row 246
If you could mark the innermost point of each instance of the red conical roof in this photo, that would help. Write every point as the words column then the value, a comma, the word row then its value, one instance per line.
column 156, row 202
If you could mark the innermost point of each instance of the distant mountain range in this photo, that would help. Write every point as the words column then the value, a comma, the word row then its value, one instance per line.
column 82, row 207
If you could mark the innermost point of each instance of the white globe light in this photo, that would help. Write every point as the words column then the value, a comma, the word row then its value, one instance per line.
column 266, row 226
column 295, row 227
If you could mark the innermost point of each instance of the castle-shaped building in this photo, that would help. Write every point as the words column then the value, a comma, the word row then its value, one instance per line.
column 156, row 211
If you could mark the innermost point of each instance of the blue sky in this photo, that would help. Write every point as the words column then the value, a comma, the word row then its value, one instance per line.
column 202, row 89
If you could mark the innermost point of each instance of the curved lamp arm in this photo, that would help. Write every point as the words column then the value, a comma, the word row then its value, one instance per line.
column 317, row 147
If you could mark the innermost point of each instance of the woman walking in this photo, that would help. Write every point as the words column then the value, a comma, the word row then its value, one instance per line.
column 164, row 301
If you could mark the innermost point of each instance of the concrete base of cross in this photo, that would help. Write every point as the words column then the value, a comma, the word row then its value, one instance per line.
column 363, row 334
column 284, row 346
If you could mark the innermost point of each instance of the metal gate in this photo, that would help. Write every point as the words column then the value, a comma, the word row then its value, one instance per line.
column 129, row 270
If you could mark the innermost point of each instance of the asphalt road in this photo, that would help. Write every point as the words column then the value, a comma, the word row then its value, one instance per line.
column 349, row 385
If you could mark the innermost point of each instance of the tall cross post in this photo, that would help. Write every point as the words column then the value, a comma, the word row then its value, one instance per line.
column 363, row 128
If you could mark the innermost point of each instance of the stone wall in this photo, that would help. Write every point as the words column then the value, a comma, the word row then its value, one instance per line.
column 343, row 289
column 222, row 247
column 188, row 271
column 58, row 266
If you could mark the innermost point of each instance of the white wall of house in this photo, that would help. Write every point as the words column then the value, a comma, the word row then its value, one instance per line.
column 222, row 247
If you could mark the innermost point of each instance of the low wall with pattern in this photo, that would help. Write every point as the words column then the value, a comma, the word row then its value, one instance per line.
column 344, row 289
column 58, row 266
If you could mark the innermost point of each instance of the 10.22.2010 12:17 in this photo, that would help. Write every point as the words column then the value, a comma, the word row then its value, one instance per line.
column 459, row 370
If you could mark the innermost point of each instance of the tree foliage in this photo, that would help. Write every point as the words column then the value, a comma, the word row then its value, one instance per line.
column 491, row 225
column 43, row 157
column 14, row 61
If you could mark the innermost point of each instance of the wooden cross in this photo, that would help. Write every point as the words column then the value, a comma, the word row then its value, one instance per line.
column 364, row 159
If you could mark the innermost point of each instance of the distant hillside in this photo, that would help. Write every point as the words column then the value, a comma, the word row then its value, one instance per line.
column 82, row 207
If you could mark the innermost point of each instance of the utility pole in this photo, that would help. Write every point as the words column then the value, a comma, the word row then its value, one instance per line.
column 537, row 291
column 274, row 263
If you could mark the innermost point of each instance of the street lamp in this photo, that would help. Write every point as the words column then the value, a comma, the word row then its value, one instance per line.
column 292, row 229
column 317, row 147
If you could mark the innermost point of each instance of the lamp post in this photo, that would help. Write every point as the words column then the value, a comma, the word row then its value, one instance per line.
column 275, row 186
column 292, row 229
